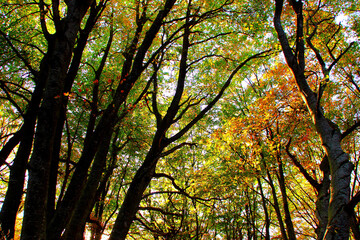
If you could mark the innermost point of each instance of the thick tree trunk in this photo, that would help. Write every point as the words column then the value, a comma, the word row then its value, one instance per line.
column 340, row 169
column 51, row 201
column 39, row 168
column 60, row 49
column 338, row 226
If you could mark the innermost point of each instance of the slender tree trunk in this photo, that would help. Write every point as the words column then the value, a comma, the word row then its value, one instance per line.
column 288, row 221
column 267, row 219
column 96, row 231
column 277, row 206
column 9, row 146
column 14, row 192
column 76, row 226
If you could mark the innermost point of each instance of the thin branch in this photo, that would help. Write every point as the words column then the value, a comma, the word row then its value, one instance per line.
column 55, row 10
column 211, row 38
column 354, row 201
column 159, row 210
column 307, row 176
column 43, row 21
column 218, row 96
column 182, row 191
column 19, row 55
column 340, row 56
column 177, row 147
column 187, row 108
column 350, row 130
column 204, row 57
column 10, row 99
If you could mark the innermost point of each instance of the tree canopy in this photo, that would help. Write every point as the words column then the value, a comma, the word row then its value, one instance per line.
column 177, row 119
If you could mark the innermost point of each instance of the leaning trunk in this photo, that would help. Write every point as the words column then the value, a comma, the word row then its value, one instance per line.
column 75, row 229
column 338, row 226
column 15, row 190
column 134, row 194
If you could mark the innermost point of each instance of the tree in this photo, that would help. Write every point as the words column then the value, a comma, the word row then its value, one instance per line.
column 340, row 167
column 172, row 119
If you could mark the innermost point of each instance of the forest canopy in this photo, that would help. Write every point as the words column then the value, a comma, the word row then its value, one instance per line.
column 177, row 119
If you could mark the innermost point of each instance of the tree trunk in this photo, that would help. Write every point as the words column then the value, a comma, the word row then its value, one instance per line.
column 277, row 207
column 134, row 194
column 289, row 225
column 60, row 48
column 14, row 192
column 39, row 166
column 267, row 219
column 76, row 226
column 17, row 170
column 338, row 226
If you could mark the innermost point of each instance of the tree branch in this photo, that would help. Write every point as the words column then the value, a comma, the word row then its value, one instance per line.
column 218, row 96
column 303, row 171
column 159, row 210
column 18, row 54
column 172, row 150
column 350, row 130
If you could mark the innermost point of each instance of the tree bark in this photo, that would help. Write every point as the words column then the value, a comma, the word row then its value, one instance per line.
column 59, row 53
column 340, row 167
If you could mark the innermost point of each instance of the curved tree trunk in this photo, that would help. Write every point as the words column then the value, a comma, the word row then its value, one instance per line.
column 340, row 167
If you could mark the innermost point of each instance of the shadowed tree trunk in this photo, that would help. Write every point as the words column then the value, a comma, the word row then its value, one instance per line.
column 14, row 192
column 59, row 54
column 132, row 69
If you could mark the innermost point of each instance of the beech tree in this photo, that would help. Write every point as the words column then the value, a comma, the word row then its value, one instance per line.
column 179, row 120
column 338, row 219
